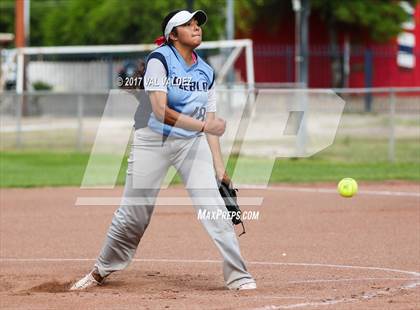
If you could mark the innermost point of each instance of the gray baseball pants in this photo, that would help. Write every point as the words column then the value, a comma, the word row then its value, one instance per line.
column 149, row 161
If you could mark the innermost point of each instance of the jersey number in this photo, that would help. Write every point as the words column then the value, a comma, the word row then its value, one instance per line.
column 199, row 113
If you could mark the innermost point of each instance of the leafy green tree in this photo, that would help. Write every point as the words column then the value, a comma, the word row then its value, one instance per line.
column 249, row 13
column 38, row 10
column 7, row 18
column 89, row 22
column 380, row 20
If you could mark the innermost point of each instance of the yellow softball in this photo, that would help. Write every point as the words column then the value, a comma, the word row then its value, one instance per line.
column 347, row 187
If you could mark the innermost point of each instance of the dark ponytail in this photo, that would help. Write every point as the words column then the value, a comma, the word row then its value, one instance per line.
column 166, row 21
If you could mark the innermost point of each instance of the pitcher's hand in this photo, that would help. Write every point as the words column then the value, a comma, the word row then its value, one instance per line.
column 215, row 126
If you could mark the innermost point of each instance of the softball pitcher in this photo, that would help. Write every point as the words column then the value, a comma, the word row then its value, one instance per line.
column 182, row 131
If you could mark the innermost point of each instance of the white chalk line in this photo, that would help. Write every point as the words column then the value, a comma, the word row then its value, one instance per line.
column 273, row 297
column 334, row 191
column 366, row 296
column 263, row 297
column 214, row 261
column 415, row 276
column 412, row 273
column 329, row 302
column 244, row 201
column 306, row 304
column 350, row 280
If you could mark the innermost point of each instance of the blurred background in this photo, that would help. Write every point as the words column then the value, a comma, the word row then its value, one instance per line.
column 60, row 58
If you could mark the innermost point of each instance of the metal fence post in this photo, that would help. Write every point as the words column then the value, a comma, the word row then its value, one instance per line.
column 391, row 142
column 289, row 64
column 80, row 108
column 110, row 73
column 368, row 79
column 19, row 104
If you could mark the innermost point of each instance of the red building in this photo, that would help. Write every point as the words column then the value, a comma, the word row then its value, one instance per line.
column 369, row 63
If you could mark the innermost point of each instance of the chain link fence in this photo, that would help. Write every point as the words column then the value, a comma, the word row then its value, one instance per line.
column 378, row 124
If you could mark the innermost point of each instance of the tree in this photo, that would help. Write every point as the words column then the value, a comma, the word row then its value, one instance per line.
column 7, row 18
column 38, row 10
column 89, row 22
column 249, row 13
column 380, row 20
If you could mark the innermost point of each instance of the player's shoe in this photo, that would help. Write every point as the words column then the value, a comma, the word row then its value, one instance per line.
column 245, row 286
column 86, row 282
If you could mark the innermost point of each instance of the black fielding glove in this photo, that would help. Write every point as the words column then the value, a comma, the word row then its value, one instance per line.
column 229, row 196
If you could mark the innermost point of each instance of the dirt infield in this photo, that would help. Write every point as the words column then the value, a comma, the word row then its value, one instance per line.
column 309, row 249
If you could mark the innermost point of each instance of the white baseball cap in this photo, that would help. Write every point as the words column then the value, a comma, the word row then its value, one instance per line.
column 182, row 17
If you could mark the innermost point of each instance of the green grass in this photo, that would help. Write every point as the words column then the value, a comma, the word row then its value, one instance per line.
column 361, row 150
column 319, row 170
column 32, row 169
